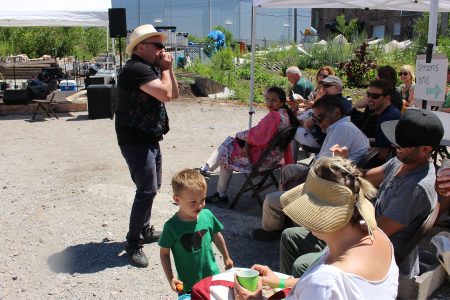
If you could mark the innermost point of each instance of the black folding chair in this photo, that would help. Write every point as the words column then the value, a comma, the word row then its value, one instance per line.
column 46, row 106
column 281, row 138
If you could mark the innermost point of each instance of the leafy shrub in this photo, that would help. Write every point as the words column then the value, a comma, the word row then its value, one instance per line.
column 357, row 68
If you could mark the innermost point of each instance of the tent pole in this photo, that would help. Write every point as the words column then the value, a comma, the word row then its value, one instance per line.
column 432, row 24
column 252, row 69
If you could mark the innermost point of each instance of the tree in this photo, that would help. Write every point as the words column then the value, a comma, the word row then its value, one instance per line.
column 94, row 39
column 227, row 33
column 348, row 30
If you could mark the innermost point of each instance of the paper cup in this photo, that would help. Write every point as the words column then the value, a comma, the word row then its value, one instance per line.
column 248, row 279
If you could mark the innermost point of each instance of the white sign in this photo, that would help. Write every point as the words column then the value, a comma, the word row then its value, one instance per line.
column 431, row 78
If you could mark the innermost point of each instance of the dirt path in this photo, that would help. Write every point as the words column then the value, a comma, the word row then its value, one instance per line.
column 66, row 194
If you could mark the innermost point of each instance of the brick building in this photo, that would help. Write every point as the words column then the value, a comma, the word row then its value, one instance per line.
column 388, row 24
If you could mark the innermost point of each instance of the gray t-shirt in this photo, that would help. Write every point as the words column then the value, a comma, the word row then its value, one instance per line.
column 407, row 200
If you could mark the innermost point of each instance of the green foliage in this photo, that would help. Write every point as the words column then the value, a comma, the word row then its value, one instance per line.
column 227, row 33
column 444, row 46
column 421, row 31
column 348, row 29
column 224, row 58
column 55, row 41
column 95, row 40
column 357, row 69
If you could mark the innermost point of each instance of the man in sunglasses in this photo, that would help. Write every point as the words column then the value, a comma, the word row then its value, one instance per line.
column 331, row 118
column 379, row 98
column 309, row 133
column 144, row 84
column 406, row 194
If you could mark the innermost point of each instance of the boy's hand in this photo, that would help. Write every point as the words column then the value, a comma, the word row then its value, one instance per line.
column 174, row 283
column 228, row 263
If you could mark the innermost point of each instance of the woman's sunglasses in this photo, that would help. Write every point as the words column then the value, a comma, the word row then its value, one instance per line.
column 323, row 75
column 403, row 73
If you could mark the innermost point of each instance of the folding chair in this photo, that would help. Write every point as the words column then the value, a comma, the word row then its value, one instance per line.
column 424, row 228
column 283, row 137
column 367, row 159
column 47, row 105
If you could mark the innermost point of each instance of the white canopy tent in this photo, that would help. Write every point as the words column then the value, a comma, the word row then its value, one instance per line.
column 54, row 13
column 22, row 13
column 432, row 6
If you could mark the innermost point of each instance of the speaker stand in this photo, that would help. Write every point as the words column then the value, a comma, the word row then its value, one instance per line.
column 120, row 52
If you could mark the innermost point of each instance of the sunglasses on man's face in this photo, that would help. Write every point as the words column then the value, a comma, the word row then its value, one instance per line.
column 319, row 118
column 373, row 95
column 403, row 73
column 156, row 44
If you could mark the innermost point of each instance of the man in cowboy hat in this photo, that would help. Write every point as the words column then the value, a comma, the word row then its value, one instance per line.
column 144, row 84
column 405, row 198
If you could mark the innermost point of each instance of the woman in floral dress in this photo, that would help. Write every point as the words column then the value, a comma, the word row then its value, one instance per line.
column 241, row 152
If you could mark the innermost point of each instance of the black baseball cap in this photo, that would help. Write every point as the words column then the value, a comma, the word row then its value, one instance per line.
column 416, row 127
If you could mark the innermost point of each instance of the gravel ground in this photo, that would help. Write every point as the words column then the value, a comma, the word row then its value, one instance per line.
column 66, row 194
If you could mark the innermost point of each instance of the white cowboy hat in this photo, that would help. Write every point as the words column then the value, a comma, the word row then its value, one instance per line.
column 141, row 33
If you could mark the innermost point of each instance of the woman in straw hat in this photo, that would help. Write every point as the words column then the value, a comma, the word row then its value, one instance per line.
column 358, row 262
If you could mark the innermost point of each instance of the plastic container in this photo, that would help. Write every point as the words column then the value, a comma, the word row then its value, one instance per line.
column 185, row 297
column 68, row 85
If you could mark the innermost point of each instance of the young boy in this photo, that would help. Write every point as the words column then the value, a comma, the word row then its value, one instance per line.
column 189, row 233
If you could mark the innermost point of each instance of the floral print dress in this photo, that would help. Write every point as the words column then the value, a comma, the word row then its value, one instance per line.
column 232, row 157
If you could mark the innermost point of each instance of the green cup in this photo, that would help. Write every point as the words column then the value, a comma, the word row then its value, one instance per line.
column 248, row 279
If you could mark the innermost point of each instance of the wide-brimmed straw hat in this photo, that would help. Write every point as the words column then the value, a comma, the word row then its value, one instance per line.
column 325, row 206
column 141, row 33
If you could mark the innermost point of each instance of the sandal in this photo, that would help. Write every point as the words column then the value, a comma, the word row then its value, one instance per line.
column 216, row 198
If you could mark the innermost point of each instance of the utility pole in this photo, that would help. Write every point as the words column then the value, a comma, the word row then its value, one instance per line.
column 210, row 21
column 295, row 25
column 444, row 23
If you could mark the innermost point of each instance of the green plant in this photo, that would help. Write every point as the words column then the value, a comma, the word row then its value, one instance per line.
column 357, row 69
column 348, row 29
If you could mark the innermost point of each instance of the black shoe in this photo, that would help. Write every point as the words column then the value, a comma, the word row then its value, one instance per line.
column 264, row 235
column 203, row 172
column 150, row 235
column 136, row 255
column 216, row 198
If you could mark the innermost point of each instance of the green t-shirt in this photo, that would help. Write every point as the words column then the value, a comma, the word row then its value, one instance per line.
column 190, row 243
column 303, row 87
column 446, row 103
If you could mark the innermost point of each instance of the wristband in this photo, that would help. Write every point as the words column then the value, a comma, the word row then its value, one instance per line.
column 282, row 283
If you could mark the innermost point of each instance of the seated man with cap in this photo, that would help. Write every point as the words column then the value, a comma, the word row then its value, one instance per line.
column 329, row 115
column 308, row 133
column 406, row 193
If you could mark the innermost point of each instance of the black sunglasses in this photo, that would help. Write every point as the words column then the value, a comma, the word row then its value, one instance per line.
column 156, row 44
column 323, row 75
column 318, row 119
column 403, row 73
column 373, row 95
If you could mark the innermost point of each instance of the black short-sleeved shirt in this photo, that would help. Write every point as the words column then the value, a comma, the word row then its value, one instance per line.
column 140, row 117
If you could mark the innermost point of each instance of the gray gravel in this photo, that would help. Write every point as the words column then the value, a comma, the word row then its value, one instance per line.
column 66, row 194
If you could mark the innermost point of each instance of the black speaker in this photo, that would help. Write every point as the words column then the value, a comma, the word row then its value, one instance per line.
column 101, row 100
column 117, row 22
column 12, row 97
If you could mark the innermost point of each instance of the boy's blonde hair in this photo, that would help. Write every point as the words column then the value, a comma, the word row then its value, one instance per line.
column 188, row 180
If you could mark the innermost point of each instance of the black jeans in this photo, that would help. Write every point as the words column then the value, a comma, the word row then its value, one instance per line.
column 144, row 162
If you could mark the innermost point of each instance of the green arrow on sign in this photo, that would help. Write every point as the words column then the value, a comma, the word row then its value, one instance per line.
column 436, row 91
